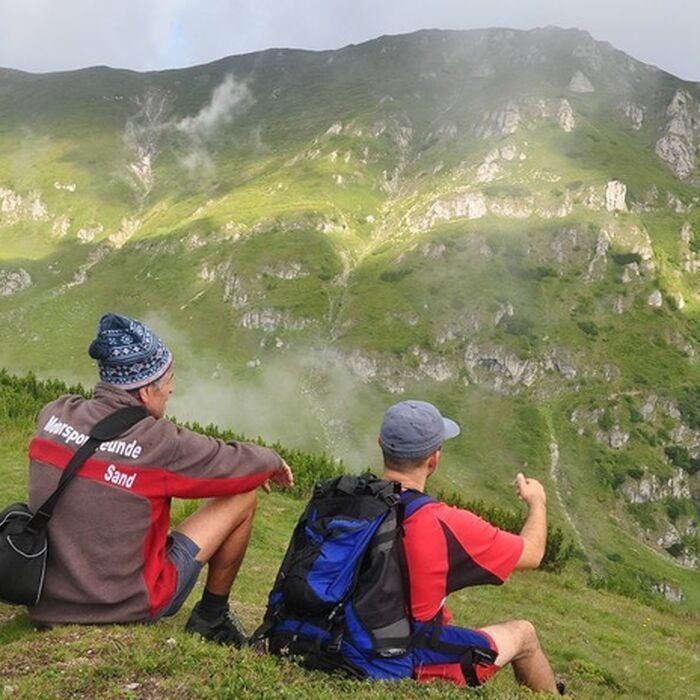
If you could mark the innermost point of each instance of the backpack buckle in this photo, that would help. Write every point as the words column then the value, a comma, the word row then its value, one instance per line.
column 334, row 645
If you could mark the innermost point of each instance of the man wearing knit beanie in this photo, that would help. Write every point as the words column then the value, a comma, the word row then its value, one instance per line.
column 113, row 556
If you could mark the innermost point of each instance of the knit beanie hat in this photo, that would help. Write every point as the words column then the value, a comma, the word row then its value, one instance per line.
column 128, row 353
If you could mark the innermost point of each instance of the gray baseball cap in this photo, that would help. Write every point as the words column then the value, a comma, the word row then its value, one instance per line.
column 414, row 429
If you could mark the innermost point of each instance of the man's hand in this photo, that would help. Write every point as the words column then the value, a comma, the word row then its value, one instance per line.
column 530, row 490
column 282, row 477
column 534, row 532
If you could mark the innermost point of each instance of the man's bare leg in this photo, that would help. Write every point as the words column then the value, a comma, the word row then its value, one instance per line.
column 519, row 645
column 221, row 527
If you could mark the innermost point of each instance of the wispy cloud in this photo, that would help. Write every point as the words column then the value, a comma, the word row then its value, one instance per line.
column 196, row 136
column 228, row 98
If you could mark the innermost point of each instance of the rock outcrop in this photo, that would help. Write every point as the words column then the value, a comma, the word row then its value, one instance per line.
column 505, row 372
column 89, row 233
column 467, row 205
column 66, row 186
column 655, row 299
column 269, row 320
column 650, row 488
column 677, row 146
column 127, row 229
column 677, row 153
column 615, row 195
column 674, row 594
column 499, row 123
column 566, row 116
column 60, row 227
column 13, row 281
column 580, row 83
column 635, row 114
column 81, row 274
column 15, row 207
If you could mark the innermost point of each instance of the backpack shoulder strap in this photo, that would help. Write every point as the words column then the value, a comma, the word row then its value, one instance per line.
column 414, row 500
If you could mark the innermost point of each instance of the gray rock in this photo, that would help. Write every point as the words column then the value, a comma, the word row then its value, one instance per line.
column 651, row 489
column 467, row 205
column 673, row 594
column 269, row 320
column 60, row 227
column 635, row 114
column 127, row 229
column 13, row 281
column 615, row 193
column 566, row 117
column 88, row 234
column 580, row 83
column 655, row 299
column 677, row 153
column 670, row 537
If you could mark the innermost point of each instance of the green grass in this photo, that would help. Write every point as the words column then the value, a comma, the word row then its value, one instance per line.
column 596, row 641
column 604, row 645
column 379, row 292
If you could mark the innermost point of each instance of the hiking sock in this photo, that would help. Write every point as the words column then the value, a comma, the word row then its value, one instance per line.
column 212, row 605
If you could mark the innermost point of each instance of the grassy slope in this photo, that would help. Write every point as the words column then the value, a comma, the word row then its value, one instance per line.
column 74, row 134
column 605, row 646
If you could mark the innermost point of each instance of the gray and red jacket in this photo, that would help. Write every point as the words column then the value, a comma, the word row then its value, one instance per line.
column 107, row 538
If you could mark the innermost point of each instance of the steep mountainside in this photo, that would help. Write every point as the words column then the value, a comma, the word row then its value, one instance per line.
column 504, row 222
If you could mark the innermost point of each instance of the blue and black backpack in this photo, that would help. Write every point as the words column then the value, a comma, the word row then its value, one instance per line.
column 341, row 600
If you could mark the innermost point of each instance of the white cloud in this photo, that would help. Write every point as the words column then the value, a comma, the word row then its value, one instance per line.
column 228, row 98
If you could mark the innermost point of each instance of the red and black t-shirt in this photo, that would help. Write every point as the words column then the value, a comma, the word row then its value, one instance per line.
column 448, row 549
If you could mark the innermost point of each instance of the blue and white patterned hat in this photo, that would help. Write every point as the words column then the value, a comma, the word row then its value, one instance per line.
column 128, row 353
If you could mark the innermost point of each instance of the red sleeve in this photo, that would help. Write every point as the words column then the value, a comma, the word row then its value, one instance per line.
column 202, row 466
column 478, row 552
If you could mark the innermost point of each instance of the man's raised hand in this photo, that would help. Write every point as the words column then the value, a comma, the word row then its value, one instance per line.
column 530, row 490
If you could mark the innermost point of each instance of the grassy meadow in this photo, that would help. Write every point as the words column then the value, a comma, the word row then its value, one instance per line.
column 602, row 644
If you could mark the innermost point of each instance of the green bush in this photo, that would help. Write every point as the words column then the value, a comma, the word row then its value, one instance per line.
column 689, row 405
column 21, row 398
column 517, row 325
column 606, row 420
column 589, row 328
column 681, row 458
column 394, row 275
column 626, row 258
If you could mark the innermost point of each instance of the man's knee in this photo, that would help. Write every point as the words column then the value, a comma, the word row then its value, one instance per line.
column 238, row 506
column 248, row 501
column 529, row 641
column 515, row 639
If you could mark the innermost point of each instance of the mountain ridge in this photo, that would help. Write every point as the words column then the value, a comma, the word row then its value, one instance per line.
column 504, row 222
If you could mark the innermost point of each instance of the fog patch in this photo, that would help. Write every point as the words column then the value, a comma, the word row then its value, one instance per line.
column 227, row 97
column 194, row 138
column 309, row 401
column 201, row 132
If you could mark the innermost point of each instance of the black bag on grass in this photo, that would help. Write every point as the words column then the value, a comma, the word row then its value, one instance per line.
column 24, row 535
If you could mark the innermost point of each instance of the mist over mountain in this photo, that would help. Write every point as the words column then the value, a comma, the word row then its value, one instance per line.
column 503, row 222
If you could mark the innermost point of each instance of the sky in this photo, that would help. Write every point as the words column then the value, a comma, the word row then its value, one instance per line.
column 51, row 35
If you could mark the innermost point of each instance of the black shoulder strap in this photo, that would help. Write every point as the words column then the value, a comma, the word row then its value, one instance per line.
column 107, row 429
column 414, row 500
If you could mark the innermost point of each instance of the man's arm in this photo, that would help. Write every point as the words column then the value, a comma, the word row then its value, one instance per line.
column 534, row 531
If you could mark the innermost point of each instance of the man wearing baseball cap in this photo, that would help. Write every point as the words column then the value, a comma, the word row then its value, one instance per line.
column 448, row 549
column 113, row 557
